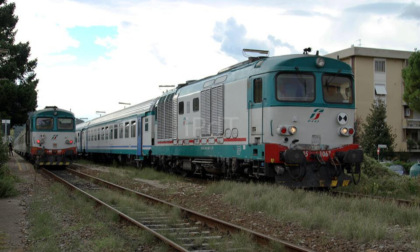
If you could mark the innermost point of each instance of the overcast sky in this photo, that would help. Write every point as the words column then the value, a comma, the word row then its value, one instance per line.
column 94, row 54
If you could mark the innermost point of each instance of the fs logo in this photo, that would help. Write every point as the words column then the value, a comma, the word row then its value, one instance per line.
column 315, row 115
column 54, row 137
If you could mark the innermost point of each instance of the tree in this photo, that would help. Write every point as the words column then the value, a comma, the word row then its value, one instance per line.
column 18, row 81
column 377, row 131
column 411, row 76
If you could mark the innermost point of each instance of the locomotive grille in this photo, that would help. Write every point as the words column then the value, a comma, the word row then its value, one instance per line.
column 217, row 110
column 205, row 112
column 167, row 117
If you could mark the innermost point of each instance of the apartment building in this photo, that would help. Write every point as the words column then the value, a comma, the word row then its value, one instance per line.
column 378, row 75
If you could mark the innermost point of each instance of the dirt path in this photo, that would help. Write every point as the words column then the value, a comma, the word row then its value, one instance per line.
column 13, row 211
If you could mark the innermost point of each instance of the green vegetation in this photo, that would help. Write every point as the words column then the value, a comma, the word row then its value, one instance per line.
column 117, row 175
column 411, row 76
column 364, row 220
column 7, row 180
column 18, row 94
column 378, row 180
column 361, row 219
column 376, row 131
column 58, row 222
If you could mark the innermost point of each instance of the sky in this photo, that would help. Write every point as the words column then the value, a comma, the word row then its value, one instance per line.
column 93, row 55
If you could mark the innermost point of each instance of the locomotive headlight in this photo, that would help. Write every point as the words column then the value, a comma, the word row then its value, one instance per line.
column 320, row 62
column 344, row 131
column 286, row 130
column 292, row 130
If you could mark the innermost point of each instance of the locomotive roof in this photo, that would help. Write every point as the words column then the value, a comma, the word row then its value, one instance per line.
column 245, row 69
column 49, row 110
column 137, row 109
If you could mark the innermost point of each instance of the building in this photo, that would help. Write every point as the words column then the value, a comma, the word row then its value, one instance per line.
column 378, row 75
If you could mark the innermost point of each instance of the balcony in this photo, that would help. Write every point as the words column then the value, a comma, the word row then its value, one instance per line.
column 411, row 124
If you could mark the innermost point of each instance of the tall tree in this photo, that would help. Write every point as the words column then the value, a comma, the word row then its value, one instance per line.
column 377, row 131
column 411, row 76
column 18, row 81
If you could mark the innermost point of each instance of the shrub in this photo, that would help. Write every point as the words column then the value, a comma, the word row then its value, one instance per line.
column 7, row 183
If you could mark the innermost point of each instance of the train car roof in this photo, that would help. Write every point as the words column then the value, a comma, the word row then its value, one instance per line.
column 137, row 109
column 293, row 62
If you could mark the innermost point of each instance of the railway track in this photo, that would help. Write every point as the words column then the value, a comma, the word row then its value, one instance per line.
column 180, row 228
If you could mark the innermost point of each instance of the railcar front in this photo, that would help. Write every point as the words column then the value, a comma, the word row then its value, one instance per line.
column 304, row 106
column 50, row 137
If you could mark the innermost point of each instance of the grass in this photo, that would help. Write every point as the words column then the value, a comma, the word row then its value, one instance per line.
column 360, row 219
column 7, row 183
column 62, row 221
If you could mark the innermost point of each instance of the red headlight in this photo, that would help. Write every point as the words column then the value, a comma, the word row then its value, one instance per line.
column 38, row 141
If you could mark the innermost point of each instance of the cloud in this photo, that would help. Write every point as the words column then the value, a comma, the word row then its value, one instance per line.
column 378, row 8
column 233, row 38
column 412, row 11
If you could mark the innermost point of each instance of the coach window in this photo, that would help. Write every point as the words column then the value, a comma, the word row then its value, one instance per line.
column 181, row 108
column 295, row 87
column 196, row 104
column 99, row 133
column 258, row 90
column 127, row 130
column 102, row 133
column 115, row 131
column 111, row 132
column 44, row 123
column 146, row 124
column 121, row 130
column 106, row 133
column 133, row 128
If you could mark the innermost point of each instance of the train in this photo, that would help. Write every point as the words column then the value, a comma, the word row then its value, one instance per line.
column 48, row 138
column 289, row 119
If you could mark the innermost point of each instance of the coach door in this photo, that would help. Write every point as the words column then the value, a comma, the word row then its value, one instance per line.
column 139, row 137
column 256, row 110
column 147, row 133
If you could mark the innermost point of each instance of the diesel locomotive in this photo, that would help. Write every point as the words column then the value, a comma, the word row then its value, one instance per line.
column 285, row 118
column 48, row 138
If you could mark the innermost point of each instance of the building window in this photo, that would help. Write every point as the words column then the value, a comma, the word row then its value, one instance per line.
column 380, row 66
column 407, row 112
column 380, row 89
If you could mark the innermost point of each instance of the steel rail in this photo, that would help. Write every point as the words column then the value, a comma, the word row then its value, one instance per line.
column 120, row 214
column 213, row 222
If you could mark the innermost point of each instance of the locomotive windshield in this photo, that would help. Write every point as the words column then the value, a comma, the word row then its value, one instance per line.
column 337, row 89
column 65, row 123
column 44, row 123
column 297, row 87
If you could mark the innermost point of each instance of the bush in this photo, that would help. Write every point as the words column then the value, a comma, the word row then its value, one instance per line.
column 7, row 183
column 3, row 153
